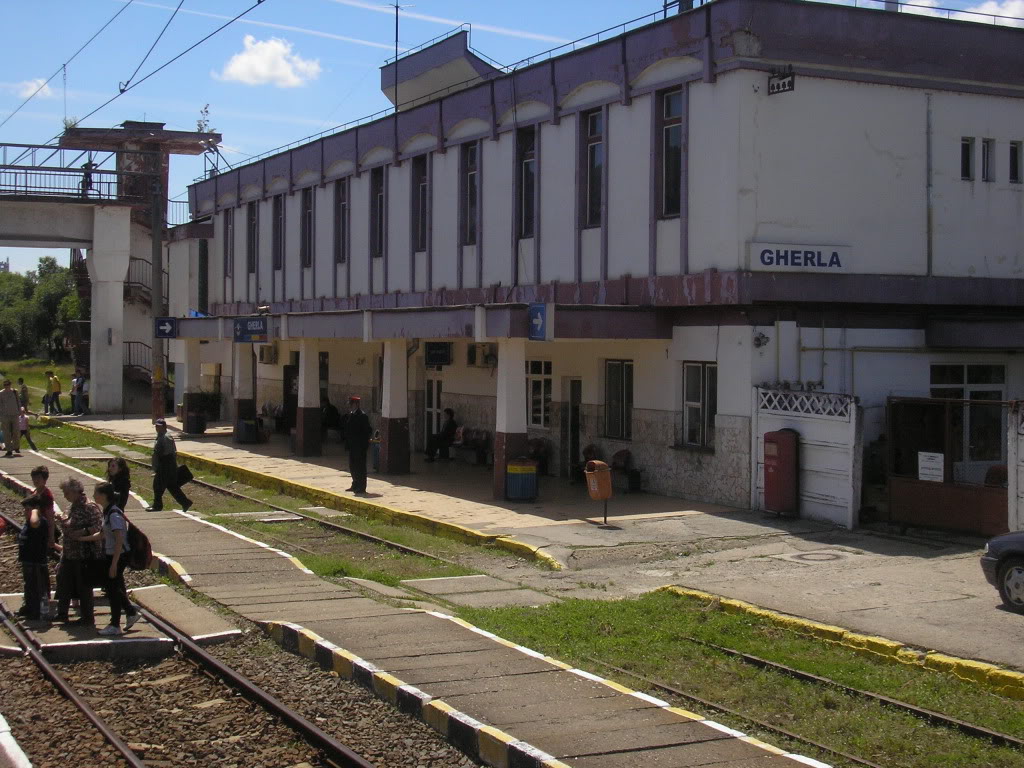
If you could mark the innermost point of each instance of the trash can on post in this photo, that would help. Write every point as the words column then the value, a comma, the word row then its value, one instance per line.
column 521, row 480
column 599, row 480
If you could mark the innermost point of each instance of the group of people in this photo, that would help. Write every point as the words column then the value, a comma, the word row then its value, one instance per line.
column 14, row 423
column 91, row 539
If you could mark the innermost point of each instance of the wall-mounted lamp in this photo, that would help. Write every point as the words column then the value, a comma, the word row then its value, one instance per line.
column 263, row 309
column 760, row 339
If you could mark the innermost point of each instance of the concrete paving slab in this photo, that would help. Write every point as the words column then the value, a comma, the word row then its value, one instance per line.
column 326, row 511
column 448, row 585
column 412, row 647
column 128, row 453
column 455, row 671
column 260, row 601
column 509, row 709
column 242, row 577
column 565, row 742
column 192, row 619
column 84, row 454
column 537, row 687
column 298, row 590
column 306, row 614
column 723, row 753
column 527, row 597
column 377, row 587
column 252, row 563
column 263, row 516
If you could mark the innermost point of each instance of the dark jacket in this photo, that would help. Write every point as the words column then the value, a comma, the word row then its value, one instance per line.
column 448, row 431
column 356, row 430
column 165, row 458
column 122, row 485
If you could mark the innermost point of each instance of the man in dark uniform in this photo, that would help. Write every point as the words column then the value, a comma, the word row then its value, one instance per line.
column 165, row 470
column 356, row 431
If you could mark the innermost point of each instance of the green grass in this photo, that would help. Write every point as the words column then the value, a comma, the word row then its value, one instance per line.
column 33, row 371
column 392, row 573
column 648, row 636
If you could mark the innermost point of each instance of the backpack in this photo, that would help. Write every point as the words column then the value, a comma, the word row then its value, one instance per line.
column 140, row 552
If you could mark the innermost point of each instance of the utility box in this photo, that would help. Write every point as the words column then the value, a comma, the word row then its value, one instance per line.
column 782, row 472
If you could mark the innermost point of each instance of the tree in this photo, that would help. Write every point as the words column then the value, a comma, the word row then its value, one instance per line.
column 36, row 310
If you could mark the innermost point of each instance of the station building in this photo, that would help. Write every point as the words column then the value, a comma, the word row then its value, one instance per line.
column 668, row 239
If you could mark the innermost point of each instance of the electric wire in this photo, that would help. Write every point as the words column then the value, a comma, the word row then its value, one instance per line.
column 63, row 67
column 124, row 86
column 170, row 61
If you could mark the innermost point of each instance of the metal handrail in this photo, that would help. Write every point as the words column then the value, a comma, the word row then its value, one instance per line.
column 45, row 170
column 463, row 27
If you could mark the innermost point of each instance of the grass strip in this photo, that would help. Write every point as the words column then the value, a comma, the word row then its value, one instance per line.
column 648, row 636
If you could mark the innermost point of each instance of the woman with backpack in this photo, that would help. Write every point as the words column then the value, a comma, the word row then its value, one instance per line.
column 78, row 558
column 115, row 548
column 120, row 476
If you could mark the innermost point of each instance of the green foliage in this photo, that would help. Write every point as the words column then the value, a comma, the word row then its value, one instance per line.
column 35, row 310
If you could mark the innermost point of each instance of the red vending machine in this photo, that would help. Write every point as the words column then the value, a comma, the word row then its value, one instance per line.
column 782, row 472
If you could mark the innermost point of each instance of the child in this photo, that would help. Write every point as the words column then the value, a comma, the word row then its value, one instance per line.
column 23, row 426
column 39, row 477
column 23, row 394
column 32, row 556
column 115, row 544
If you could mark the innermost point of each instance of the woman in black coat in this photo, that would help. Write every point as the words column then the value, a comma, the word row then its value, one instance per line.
column 121, row 478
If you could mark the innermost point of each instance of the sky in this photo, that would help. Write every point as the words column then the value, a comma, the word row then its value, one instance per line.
column 287, row 70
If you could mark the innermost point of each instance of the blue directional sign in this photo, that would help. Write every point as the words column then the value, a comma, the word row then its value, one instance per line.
column 250, row 329
column 165, row 327
column 538, row 317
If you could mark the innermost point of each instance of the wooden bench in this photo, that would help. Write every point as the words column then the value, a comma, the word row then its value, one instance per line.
column 472, row 445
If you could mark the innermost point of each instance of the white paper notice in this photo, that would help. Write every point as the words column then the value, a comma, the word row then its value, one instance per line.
column 930, row 467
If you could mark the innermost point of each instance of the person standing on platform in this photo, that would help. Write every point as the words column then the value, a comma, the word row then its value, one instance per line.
column 165, row 470
column 10, row 410
column 53, row 386
column 23, row 393
column 356, row 431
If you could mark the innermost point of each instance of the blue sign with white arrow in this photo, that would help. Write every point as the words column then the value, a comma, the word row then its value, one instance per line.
column 538, row 317
column 165, row 327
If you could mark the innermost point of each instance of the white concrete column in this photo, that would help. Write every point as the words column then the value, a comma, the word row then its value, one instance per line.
column 394, row 428
column 107, row 262
column 188, row 373
column 241, row 381
column 308, row 419
column 510, row 416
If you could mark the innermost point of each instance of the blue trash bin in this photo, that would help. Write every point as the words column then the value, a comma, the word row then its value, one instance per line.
column 521, row 480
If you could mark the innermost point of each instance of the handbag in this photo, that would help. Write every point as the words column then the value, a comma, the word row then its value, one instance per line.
column 184, row 475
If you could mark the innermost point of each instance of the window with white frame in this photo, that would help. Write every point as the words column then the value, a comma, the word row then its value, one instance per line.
column 470, row 198
column 526, row 151
column 420, row 202
column 538, row 393
column 700, row 403
column 378, row 212
column 670, row 151
column 593, row 141
column 618, row 399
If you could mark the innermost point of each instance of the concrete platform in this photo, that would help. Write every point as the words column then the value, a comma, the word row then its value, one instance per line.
column 82, row 453
column 450, row 585
column 498, row 598
column 62, row 642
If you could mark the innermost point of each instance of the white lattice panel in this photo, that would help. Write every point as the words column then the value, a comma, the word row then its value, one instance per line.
column 825, row 404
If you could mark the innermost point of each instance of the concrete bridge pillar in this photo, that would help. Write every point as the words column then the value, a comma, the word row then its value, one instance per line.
column 394, row 427
column 108, row 266
column 308, row 417
column 510, row 427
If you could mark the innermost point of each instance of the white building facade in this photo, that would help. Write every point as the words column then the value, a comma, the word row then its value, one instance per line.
column 640, row 246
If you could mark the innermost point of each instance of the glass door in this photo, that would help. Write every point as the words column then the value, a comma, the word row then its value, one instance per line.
column 433, row 410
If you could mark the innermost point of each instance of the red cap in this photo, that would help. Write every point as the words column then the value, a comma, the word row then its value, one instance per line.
column 355, row 399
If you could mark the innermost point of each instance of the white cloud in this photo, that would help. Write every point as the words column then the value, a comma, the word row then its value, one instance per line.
column 1014, row 8
column 27, row 88
column 269, row 61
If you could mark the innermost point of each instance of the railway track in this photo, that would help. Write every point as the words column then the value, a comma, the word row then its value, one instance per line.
column 323, row 748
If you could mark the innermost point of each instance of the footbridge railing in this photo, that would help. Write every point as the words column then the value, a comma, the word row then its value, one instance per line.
column 33, row 170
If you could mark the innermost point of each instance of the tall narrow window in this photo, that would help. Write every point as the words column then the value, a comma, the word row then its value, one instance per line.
column 277, row 232
column 470, row 192
column 538, row 393
column 229, row 242
column 377, row 211
column 967, row 158
column 988, row 157
column 526, row 156
column 341, row 231
column 671, row 147
column 1016, row 162
column 203, row 288
column 252, row 242
column 700, row 403
column 420, row 202
column 306, row 228
column 593, row 140
column 618, row 399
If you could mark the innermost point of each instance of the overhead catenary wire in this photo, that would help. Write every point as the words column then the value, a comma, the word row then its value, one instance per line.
column 63, row 67
column 124, row 86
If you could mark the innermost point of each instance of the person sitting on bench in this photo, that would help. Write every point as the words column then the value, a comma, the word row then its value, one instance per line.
column 443, row 440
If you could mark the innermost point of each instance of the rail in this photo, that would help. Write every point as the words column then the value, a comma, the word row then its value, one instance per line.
column 138, row 355
column 38, row 170
column 177, row 213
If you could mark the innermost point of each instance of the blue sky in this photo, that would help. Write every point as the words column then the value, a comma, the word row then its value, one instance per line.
column 291, row 68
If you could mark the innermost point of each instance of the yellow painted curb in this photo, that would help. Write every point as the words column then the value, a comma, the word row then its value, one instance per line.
column 493, row 746
column 1005, row 682
column 382, row 512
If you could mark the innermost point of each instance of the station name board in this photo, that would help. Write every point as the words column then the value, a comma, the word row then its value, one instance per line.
column 815, row 258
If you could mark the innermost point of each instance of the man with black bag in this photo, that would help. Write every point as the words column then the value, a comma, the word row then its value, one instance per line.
column 165, row 470
column 356, row 432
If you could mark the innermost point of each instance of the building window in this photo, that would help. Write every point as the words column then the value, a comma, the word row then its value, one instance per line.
column 1016, row 161
column 470, row 191
column 526, row 161
column 538, row 393
column 306, row 228
column 618, row 399
column 277, row 232
column 700, row 403
column 988, row 158
column 203, row 298
column 420, row 202
column 229, row 242
column 341, row 232
column 593, row 140
column 377, row 212
column 967, row 158
column 252, row 242
column 978, row 438
column 670, row 147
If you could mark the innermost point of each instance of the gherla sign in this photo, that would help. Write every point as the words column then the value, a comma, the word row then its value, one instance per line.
column 788, row 257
